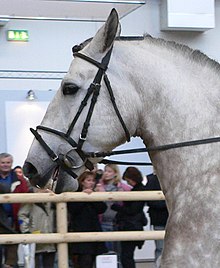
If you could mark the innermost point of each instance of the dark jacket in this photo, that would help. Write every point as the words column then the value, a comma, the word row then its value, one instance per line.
column 18, row 185
column 157, row 209
column 130, row 216
column 4, row 223
column 83, row 217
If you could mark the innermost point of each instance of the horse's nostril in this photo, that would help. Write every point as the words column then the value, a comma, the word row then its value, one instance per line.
column 29, row 170
column 34, row 177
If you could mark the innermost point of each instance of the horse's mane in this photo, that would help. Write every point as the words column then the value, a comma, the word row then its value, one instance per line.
column 193, row 54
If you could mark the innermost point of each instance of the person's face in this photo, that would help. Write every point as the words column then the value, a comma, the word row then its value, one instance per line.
column 88, row 183
column 19, row 172
column 130, row 182
column 109, row 174
column 5, row 165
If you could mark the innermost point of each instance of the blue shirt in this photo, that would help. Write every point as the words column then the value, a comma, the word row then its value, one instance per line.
column 7, row 207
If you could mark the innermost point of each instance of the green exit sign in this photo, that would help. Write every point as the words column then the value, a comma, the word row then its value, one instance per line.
column 17, row 35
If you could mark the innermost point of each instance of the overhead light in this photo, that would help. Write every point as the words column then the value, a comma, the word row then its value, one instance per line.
column 31, row 95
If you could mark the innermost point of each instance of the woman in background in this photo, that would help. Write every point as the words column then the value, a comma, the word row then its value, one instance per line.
column 19, row 171
column 111, row 182
column 84, row 217
column 39, row 218
column 130, row 217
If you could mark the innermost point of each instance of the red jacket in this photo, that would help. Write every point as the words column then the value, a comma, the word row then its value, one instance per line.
column 19, row 185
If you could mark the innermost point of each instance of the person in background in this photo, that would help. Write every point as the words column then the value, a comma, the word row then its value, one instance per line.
column 98, row 173
column 158, row 214
column 111, row 182
column 84, row 217
column 19, row 171
column 39, row 218
column 130, row 217
column 4, row 222
column 15, row 184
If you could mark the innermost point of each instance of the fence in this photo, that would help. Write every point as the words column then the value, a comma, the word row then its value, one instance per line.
column 62, row 237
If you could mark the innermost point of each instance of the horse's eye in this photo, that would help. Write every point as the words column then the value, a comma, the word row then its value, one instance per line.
column 70, row 89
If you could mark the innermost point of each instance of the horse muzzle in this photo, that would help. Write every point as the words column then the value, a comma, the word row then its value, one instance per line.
column 60, row 180
column 34, row 177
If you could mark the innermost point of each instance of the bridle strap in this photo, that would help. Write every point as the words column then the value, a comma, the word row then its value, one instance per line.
column 108, row 85
column 97, row 82
column 82, row 105
column 103, row 65
column 95, row 86
column 66, row 137
column 38, row 137
column 55, row 158
column 86, row 125
column 115, row 162
column 155, row 148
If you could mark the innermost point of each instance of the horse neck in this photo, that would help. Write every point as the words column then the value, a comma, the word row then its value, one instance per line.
column 175, row 107
column 173, row 92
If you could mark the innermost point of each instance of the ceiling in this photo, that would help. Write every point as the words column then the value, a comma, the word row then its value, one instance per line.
column 69, row 10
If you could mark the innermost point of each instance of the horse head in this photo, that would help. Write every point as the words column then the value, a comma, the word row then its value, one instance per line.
column 81, row 117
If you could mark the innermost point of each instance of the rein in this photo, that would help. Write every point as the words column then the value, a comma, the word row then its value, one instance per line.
column 151, row 149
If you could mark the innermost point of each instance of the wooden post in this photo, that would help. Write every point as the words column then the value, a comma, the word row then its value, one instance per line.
column 62, row 248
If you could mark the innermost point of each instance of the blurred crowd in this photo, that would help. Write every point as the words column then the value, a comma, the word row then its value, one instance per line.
column 103, row 216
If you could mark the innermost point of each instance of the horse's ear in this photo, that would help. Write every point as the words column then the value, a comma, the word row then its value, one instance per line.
column 104, row 38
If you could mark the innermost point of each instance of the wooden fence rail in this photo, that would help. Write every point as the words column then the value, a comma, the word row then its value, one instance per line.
column 81, row 197
column 62, row 237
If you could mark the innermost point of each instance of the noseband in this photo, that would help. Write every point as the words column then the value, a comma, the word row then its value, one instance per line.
column 61, row 160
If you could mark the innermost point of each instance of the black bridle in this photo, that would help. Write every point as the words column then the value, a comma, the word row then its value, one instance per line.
column 63, row 162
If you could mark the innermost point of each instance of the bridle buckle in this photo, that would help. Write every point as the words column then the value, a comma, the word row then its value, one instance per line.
column 55, row 158
column 82, row 138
